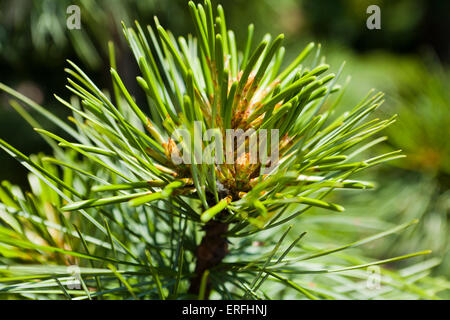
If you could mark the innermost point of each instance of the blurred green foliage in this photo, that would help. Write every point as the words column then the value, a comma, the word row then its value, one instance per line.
column 34, row 43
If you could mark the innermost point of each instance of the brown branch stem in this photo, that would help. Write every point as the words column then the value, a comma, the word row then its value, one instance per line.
column 209, row 253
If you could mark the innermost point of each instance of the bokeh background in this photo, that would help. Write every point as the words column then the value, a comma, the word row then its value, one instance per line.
column 408, row 59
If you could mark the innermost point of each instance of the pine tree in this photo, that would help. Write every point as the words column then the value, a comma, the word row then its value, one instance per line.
column 139, row 222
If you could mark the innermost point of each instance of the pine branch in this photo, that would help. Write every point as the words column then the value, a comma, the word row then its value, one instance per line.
column 134, row 187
